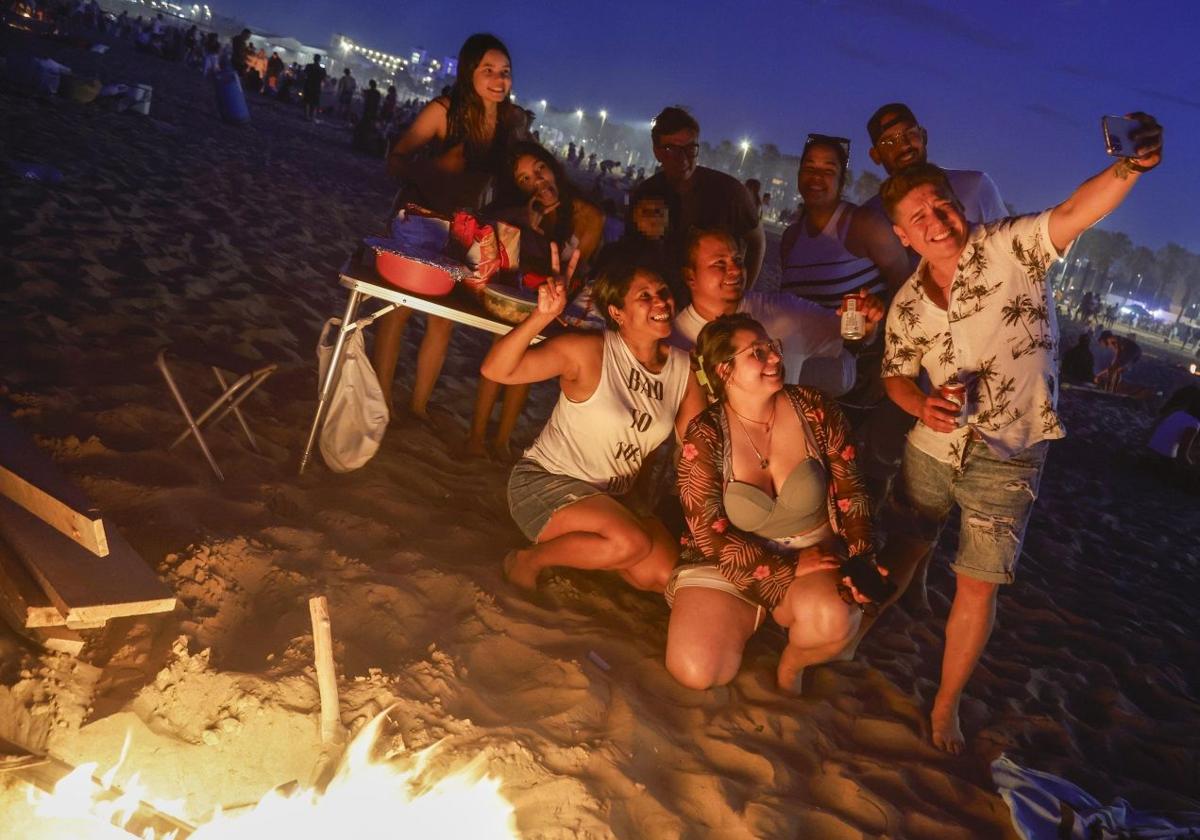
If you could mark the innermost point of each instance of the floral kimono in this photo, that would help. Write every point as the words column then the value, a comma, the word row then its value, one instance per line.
column 754, row 564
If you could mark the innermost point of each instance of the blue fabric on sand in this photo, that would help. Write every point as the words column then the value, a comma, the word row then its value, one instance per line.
column 1046, row 807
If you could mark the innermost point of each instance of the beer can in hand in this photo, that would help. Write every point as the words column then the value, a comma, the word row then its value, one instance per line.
column 956, row 392
column 854, row 324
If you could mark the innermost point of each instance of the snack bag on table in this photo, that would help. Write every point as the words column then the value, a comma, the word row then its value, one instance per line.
column 487, row 247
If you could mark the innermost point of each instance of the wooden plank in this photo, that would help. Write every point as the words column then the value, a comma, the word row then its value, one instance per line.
column 85, row 588
column 87, row 529
column 31, row 479
column 25, row 602
column 59, row 639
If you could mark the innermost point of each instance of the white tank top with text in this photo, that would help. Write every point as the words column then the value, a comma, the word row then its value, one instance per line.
column 603, row 440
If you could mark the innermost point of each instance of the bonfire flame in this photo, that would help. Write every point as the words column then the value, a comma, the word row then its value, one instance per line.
column 367, row 795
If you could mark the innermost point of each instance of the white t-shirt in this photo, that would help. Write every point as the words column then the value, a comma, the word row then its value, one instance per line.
column 806, row 329
column 979, row 196
column 1168, row 434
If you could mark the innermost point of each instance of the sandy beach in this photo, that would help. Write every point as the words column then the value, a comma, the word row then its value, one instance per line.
column 174, row 229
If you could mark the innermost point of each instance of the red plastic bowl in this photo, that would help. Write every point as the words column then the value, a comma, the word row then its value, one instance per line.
column 426, row 274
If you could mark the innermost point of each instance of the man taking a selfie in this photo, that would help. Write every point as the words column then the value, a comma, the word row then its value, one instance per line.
column 978, row 312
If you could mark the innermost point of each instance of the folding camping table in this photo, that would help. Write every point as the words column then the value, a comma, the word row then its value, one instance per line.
column 363, row 283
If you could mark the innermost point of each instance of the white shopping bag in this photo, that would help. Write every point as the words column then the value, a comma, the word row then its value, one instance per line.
column 357, row 416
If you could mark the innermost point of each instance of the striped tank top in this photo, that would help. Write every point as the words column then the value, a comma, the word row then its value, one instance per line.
column 820, row 269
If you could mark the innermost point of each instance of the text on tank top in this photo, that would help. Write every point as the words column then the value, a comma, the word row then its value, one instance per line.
column 820, row 268
column 604, row 439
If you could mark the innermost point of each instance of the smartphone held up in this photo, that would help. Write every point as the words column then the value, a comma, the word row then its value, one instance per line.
column 1119, row 135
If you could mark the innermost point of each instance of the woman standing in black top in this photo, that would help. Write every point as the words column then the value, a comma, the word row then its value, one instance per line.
column 466, row 135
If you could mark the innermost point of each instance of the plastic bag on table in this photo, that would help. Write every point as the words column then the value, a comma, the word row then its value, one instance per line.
column 418, row 229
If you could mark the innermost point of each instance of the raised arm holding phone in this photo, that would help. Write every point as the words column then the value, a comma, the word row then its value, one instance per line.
column 978, row 318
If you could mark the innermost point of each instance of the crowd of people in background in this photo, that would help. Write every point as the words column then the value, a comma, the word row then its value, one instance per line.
column 377, row 117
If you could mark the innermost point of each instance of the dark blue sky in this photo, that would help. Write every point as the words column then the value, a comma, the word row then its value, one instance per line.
column 1014, row 88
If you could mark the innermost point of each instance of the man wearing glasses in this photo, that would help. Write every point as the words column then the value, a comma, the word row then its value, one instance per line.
column 699, row 197
column 898, row 141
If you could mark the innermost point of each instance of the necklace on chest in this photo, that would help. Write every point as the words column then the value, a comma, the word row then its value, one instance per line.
column 769, row 424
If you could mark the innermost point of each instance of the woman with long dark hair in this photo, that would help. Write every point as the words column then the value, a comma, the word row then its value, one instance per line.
column 465, row 136
column 535, row 195
column 549, row 204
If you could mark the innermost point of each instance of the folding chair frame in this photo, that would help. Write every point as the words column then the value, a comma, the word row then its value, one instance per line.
column 232, row 396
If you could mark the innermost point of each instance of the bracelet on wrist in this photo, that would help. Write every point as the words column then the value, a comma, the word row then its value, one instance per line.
column 1134, row 166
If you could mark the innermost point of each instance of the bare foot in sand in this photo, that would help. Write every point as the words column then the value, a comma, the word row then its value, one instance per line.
column 791, row 682
column 790, row 674
column 517, row 572
column 475, row 448
column 946, row 732
column 502, row 452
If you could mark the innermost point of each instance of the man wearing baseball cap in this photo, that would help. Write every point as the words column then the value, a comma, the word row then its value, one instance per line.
column 899, row 141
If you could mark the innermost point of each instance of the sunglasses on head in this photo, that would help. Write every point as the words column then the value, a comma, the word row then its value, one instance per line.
column 761, row 349
column 841, row 142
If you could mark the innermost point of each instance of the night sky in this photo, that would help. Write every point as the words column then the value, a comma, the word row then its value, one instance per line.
column 1016, row 88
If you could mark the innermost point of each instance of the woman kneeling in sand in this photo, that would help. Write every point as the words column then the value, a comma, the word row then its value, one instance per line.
column 774, row 503
column 623, row 392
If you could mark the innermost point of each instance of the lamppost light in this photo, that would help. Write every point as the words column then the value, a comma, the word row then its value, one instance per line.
column 579, row 113
column 603, row 114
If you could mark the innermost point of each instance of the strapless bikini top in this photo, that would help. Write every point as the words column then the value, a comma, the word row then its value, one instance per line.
column 800, row 506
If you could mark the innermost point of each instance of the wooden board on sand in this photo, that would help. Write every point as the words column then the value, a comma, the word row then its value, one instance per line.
column 30, row 478
column 21, row 599
column 85, row 588
column 23, row 603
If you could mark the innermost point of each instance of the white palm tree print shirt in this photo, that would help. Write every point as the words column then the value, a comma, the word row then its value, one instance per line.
column 998, row 336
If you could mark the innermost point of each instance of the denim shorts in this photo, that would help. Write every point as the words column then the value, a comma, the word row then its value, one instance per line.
column 995, row 497
column 535, row 494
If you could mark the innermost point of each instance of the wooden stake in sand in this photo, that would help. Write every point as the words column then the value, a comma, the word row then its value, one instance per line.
column 333, row 734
